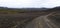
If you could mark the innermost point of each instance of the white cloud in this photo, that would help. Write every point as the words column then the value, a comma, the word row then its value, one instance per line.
column 29, row 3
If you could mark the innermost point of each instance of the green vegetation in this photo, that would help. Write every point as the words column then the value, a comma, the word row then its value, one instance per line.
column 10, row 11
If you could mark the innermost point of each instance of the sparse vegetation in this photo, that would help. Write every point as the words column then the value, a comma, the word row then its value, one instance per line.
column 55, row 17
column 17, row 18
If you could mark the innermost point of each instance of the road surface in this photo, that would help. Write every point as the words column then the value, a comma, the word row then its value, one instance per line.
column 41, row 22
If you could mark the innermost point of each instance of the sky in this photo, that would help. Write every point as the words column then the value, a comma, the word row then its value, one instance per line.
column 29, row 3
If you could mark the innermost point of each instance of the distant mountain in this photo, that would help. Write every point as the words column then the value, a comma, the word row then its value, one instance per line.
column 29, row 9
column 34, row 9
column 54, row 9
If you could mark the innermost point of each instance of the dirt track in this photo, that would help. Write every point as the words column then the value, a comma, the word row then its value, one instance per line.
column 37, row 23
column 41, row 22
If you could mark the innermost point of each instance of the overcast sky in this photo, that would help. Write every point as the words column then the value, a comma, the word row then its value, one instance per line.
column 29, row 3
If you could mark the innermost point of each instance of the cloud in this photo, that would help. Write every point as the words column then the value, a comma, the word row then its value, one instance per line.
column 29, row 3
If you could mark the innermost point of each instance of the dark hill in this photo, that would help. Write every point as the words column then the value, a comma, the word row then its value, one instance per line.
column 54, row 9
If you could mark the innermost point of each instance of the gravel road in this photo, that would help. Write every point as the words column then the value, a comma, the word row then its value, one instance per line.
column 41, row 22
